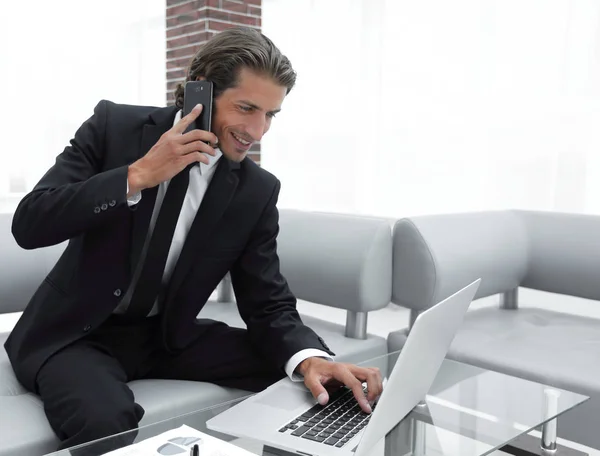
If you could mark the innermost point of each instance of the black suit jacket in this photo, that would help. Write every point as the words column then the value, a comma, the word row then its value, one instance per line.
column 82, row 198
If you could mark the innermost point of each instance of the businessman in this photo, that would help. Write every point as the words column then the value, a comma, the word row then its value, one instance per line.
column 155, row 218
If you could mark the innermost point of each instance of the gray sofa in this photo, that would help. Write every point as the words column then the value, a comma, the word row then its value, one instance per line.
column 334, row 260
column 434, row 256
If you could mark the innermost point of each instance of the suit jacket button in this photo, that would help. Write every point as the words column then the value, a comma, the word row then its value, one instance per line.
column 117, row 292
column 87, row 328
column 112, row 203
column 96, row 210
column 104, row 206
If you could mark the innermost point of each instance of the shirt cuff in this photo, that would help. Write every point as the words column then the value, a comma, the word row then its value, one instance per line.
column 295, row 360
column 133, row 199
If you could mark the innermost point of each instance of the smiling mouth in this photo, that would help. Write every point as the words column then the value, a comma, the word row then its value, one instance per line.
column 244, row 143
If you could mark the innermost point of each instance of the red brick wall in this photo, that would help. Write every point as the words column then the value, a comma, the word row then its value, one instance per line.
column 191, row 23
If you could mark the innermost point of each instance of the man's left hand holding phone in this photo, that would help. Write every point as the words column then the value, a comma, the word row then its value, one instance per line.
column 180, row 146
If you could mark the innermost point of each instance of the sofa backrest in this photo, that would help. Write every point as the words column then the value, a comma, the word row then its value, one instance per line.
column 338, row 260
column 21, row 271
column 436, row 255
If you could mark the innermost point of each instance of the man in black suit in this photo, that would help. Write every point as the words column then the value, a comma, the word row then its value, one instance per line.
column 121, row 303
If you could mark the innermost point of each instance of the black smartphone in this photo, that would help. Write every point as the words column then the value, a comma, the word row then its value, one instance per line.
column 198, row 92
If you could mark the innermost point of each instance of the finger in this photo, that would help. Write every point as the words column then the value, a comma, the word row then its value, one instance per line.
column 313, row 383
column 198, row 135
column 197, row 146
column 350, row 380
column 373, row 378
column 193, row 157
column 374, row 384
column 380, row 384
column 186, row 121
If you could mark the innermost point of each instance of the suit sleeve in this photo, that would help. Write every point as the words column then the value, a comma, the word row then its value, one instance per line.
column 264, row 299
column 74, row 195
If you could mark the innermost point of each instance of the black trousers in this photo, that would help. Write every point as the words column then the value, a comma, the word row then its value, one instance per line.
column 84, row 386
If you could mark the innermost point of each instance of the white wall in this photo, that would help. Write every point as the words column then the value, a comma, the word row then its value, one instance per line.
column 412, row 107
column 59, row 59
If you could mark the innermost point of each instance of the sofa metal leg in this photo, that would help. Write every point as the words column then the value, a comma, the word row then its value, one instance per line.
column 412, row 318
column 509, row 300
column 225, row 290
column 418, row 446
column 356, row 325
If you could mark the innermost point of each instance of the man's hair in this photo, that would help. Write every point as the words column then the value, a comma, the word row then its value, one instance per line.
column 222, row 58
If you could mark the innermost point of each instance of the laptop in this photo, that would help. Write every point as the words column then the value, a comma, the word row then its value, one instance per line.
column 285, row 416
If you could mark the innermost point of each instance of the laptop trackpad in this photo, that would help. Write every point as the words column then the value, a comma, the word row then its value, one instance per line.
column 287, row 398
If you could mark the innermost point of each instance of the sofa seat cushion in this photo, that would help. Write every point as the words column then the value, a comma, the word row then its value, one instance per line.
column 554, row 348
column 165, row 399
column 9, row 385
column 346, row 349
column 24, row 429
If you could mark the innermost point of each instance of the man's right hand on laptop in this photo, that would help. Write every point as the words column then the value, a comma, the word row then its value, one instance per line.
column 320, row 373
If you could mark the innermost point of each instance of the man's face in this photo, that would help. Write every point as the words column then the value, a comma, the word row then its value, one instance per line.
column 243, row 114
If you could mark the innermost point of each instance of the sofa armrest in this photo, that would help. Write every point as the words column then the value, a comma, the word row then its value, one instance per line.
column 434, row 256
column 336, row 260
column 563, row 254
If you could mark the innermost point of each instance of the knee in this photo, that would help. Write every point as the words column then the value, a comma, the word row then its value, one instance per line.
column 114, row 418
column 100, row 420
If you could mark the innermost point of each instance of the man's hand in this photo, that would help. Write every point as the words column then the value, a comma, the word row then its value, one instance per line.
column 171, row 154
column 319, row 373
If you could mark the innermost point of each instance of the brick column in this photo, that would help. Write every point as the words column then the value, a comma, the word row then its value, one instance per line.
column 190, row 23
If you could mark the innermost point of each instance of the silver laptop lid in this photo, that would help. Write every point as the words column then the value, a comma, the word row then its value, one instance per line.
column 417, row 365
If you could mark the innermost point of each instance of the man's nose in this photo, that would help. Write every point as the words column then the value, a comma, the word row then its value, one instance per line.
column 257, row 128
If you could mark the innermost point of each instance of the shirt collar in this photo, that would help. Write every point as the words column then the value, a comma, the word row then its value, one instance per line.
column 212, row 161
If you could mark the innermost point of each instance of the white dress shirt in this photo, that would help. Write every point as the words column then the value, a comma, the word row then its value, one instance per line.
column 200, row 177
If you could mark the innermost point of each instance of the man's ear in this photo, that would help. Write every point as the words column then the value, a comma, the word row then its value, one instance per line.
column 200, row 78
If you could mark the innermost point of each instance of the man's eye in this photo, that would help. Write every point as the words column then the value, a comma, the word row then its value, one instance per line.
column 271, row 115
column 246, row 108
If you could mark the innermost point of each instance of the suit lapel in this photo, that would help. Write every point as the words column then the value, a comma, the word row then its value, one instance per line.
column 216, row 200
column 160, row 121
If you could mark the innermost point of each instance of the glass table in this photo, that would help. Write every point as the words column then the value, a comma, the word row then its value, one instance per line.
column 468, row 411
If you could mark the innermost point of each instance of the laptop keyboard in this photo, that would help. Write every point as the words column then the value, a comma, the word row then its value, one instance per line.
column 333, row 424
